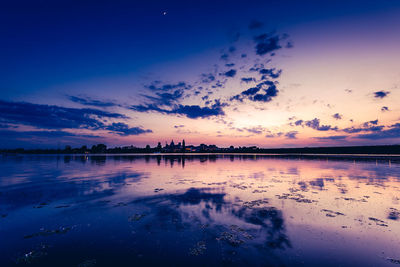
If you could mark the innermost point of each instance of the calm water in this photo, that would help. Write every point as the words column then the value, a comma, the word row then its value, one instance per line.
column 198, row 210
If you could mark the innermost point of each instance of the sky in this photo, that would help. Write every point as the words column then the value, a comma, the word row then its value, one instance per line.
column 243, row 73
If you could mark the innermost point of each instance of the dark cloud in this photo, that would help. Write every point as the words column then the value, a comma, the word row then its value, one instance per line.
column 3, row 126
column 369, row 126
column 123, row 129
column 54, row 117
column 224, row 56
column 263, row 92
column 257, row 67
column 366, row 127
column 170, row 94
column 381, row 94
column 179, row 126
column 289, row 44
column 87, row 101
column 254, row 130
column 272, row 73
column 190, row 111
column 291, row 135
column 195, row 111
column 273, row 135
column 384, row 108
column 247, row 80
column 166, row 99
column 159, row 86
column 337, row 116
column 331, row 138
column 369, row 123
column 32, row 139
column 39, row 134
column 230, row 73
column 315, row 124
column 251, row 91
column 255, row 24
column 298, row 122
column 207, row 78
column 392, row 132
column 266, row 43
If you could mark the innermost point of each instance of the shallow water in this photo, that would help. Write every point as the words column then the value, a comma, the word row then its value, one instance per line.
column 198, row 210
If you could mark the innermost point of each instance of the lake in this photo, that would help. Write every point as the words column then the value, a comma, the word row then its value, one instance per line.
column 175, row 210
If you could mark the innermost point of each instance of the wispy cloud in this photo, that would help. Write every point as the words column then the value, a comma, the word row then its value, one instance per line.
column 88, row 101
column 53, row 117
column 123, row 129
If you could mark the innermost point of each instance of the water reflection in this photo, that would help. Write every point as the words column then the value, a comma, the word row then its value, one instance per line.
column 125, row 210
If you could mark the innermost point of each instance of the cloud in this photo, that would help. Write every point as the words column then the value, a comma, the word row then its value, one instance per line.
column 369, row 126
column 384, row 109
column 255, row 24
column 190, row 111
column 298, row 122
column 13, row 139
column 3, row 126
column 230, row 73
column 254, row 130
column 54, row 117
column 272, row 73
column 247, row 80
column 291, row 135
column 166, row 99
column 159, row 86
column 123, row 129
column 87, row 101
column 337, row 116
column 35, row 134
column 251, row 91
column 169, row 94
column 368, row 123
column 393, row 132
column 315, row 124
column 273, row 135
column 195, row 111
column 381, row 94
column 289, row 44
column 179, row 126
column 266, row 44
column 207, row 77
column 263, row 92
column 331, row 138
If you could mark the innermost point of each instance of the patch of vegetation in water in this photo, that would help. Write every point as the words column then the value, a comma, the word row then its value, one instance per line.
column 32, row 255
column 198, row 249
column 88, row 263
column 136, row 217
column 47, row 232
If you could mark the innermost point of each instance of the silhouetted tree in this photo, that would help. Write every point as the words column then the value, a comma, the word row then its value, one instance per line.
column 159, row 147
column 100, row 148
